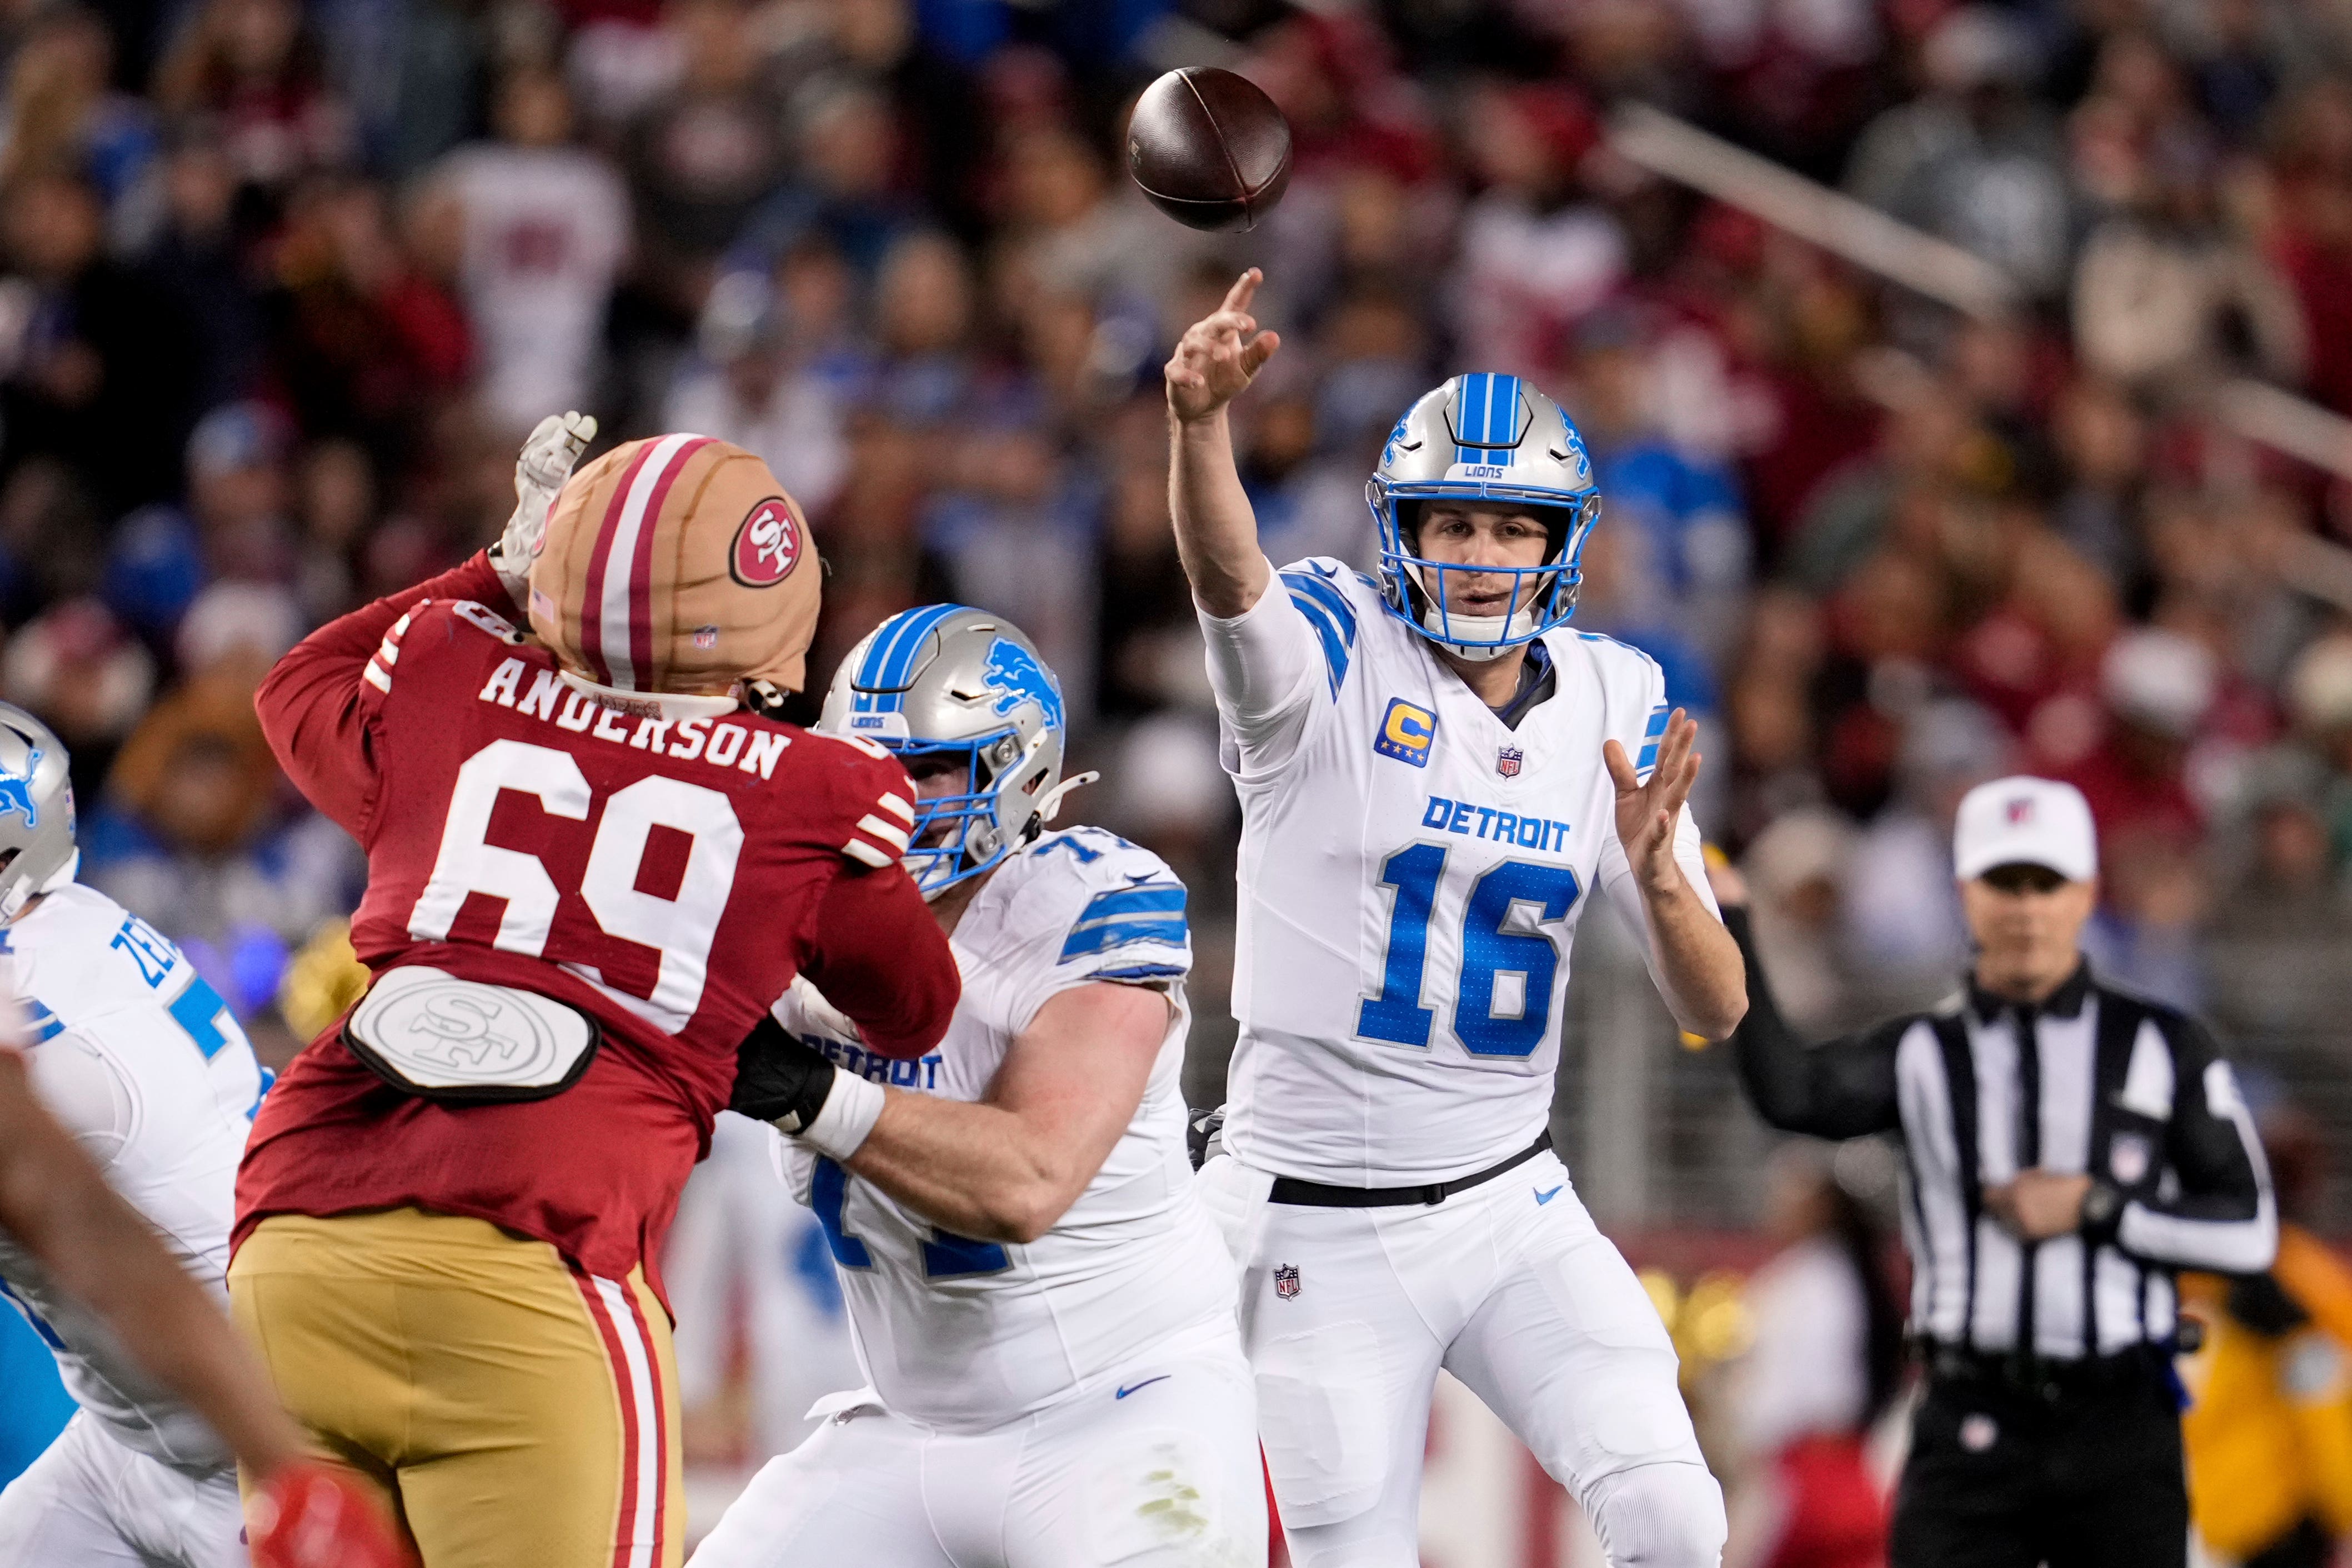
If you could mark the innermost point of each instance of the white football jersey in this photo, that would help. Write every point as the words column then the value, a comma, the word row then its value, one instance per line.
column 146, row 1065
column 967, row 1335
column 1410, row 872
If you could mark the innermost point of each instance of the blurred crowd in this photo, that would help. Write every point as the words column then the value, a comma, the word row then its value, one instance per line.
column 286, row 283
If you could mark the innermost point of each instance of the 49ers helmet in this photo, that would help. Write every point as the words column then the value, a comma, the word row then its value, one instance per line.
column 678, row 564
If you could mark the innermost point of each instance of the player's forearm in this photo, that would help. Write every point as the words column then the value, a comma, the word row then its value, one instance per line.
column 1216, row 530
column 96, row 1249
column 1699, row 969
column 975, row 1169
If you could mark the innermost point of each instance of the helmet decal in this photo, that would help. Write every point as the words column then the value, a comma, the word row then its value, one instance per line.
column 767, row 545
column 17, row 791
column 1014, row 671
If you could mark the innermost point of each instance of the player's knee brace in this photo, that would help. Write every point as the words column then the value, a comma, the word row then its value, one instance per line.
column 1666, row 1515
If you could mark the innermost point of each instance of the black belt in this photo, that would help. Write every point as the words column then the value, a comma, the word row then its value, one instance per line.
column 1315, row 1194
column 2047, row 1379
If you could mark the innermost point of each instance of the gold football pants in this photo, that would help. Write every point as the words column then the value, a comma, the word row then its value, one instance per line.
column 510, row 1408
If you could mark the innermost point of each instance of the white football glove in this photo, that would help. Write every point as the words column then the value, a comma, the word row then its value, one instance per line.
column 540, row 473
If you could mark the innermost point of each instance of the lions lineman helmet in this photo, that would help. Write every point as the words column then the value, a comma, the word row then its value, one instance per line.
column 950, row 687
column 36, row 811
column 1493, row 438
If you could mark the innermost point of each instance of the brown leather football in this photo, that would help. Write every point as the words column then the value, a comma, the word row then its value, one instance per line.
column 1209, row 148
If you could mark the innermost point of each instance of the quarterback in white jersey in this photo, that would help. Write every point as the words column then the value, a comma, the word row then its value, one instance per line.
column 1042, row 1305
column 140, row 1060
column 1436, row 776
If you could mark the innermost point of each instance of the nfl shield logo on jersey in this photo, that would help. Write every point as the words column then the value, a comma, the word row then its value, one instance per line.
column 1507, row 760
column 1286, row 1281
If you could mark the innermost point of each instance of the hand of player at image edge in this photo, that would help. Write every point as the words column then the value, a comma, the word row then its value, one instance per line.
column 1219, row 355
column 306, row 1515
column 546, row 462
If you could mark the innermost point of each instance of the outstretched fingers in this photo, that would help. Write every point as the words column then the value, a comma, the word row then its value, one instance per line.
column 1245, row 289
column 1620, row 767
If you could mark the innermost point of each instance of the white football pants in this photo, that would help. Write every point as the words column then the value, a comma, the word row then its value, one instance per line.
column 1347, row 1315
column 1157, row 1467
column 94, row 1503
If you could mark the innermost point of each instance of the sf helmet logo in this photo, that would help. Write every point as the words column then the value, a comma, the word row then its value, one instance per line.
column 17, row 791
column 2021, row 811
column 767, row 545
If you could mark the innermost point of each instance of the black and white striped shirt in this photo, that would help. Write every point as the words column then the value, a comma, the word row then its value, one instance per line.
column 2092, row 1079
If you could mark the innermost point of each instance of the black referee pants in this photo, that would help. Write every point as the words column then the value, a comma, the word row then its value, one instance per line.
column 2000, row 1478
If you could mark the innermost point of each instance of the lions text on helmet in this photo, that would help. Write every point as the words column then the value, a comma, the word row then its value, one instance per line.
column 963, row 698
column 678, row 565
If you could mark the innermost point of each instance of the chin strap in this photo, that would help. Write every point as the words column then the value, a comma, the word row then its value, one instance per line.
column 1050, row 803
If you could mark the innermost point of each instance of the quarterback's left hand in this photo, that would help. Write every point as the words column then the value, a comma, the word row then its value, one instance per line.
column 540, row 473
column 1647, row 813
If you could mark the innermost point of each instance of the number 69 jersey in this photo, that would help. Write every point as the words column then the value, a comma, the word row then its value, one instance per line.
column 966, row 1335
column 1412, row 870
column 664, row 864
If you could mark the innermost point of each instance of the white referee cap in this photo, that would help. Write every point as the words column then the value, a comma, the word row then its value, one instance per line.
column 2025, row 821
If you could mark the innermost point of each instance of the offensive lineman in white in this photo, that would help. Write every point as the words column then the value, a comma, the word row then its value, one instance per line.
column 1041, row 1303
column 1435, row 774
column 139, row 1058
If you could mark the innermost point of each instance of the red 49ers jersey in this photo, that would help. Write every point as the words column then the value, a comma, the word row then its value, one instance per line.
column 666, row 864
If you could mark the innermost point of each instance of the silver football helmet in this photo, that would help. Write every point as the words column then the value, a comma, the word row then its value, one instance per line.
column 36, row 811
column 947, row 686
column 1483, row 438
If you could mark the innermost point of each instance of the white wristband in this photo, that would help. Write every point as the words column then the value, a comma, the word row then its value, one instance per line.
column 852, row 1106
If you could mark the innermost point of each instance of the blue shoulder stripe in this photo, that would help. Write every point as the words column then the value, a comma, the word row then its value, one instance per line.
column 1151, row 913
column 1328, row 630
column 1657, row 728
column 1324, row 593
column 1141, row 972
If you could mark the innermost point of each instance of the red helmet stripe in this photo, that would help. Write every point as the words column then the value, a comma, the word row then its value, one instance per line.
column 641, row 576
column 592, row 631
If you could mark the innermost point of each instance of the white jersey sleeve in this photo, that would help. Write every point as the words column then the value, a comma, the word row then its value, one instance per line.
column 1277, row 667
column 1097, row 909
column 88, row 1095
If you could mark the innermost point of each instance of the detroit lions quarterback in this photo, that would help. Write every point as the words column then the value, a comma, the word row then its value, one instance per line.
column 1435, row 774
column 1041, row 1303
column 139, row 1058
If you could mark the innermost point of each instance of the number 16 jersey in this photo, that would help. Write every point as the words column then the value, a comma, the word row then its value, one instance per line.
column 1412, row 871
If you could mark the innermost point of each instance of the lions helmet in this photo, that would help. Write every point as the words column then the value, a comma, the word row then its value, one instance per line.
column 36, row 811
column 1494, row 438
column 948, row 686
column 678, row 564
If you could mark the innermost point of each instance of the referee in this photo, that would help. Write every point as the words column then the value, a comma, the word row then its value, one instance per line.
column 2067, row 1147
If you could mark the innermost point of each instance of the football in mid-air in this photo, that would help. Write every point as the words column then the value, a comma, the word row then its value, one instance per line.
column 1209, row 148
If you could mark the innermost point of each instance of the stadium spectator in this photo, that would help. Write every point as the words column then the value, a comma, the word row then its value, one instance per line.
column 546, row 229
